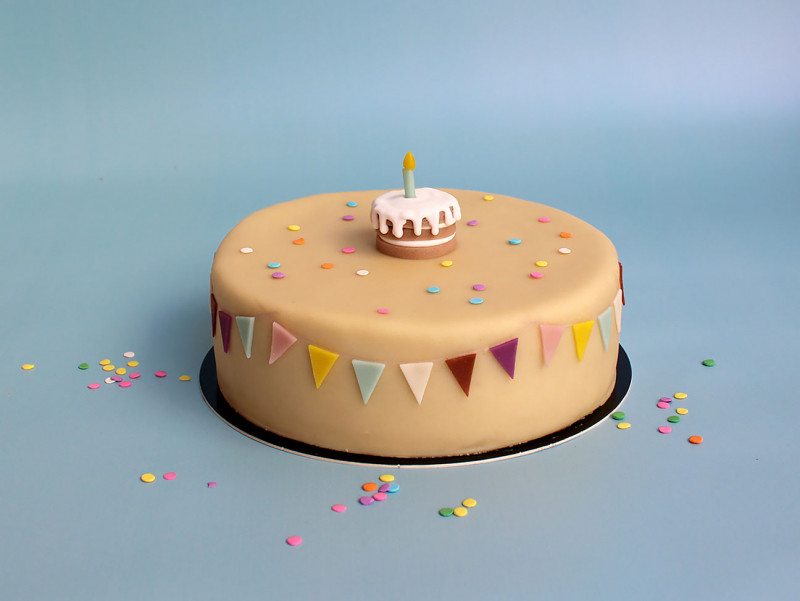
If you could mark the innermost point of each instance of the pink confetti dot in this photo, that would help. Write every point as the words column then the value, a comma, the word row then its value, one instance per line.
column 124, row 384
column 93, row 386
column 161, row 374
column 662, row 405
column 339, row 508
column 473, row 222
column 366, row 500
column 379, row 496
column 348, row 250
column 348, row 218
column 479, row 287
column 294, row 541
column 170, row 476
column 536, row 275
column 278, row 275
column 212, row 484
column 117, row 378
column 134, row 375
column 383, row 311
column 665, row 399
column 544, row 220
column 664, row 429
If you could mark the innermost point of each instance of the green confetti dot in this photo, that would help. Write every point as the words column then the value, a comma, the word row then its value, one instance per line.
column 618, row 415
column 446, row 512
column 709, row 363
column 83, row 366
column 674, row 419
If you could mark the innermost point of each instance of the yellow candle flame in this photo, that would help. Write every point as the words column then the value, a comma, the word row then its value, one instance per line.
column 409, row 162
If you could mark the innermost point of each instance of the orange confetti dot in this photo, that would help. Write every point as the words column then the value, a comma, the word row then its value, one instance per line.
column 695, row 439
column 327, row 266
column 370, row 486
column 299, row 241
column 565, row 235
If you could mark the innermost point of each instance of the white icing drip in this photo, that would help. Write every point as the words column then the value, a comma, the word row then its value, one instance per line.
column 419, row 243
column 427, row 206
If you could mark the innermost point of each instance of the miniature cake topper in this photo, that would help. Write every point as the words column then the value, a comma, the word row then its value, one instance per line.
column 415, row 223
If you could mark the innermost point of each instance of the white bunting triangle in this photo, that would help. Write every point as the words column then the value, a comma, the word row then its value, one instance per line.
column 245, row 325
column 417, row 375
column 618, row 310
column 604, row 322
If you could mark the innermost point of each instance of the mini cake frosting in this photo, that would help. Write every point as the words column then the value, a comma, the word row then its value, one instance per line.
column 321, row 337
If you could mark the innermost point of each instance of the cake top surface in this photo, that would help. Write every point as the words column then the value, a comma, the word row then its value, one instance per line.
column 518, row 263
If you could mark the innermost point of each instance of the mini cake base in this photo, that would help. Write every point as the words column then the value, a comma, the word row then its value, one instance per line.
column 216, row 401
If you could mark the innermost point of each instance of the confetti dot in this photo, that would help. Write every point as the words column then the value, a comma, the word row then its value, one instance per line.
column 446, row 512
column 327, row 266
column 565, row 235
column 447, row 263
column 469, row 502
column 386, row 478
column 273, row 265
column 544, row 220
column 383, row 311
column 170, row 476
column 185, row 378
column 680, row 395
column 121, row 371
column 384, row 487
column 109, row 367
column 133, row 364
column 369, row 486
column 460, row 512
column 695, row 439
column 362, row 272
column 211, row 484
column 488, row 197
column 348, row 250
column 366, row 500
column 433, row 289
column 347, row 218
column 83, row 366
column 293, row 228
column 681, row 411
column 148, row 478
column 133, row 375
column 536, row 275
column 246, row 250
column 105, row 362
column 479, row 287
column 129, row 354
column 379, row 496
column 294, row 541
column 618, row 415
column 709, row 362
column 662, row 405
column 299, row 241
column 352, row 203
column 278, row 275
column 473, row 222
column 161, row 374
column 125, row 384
column 673, row 419
column 564, row 250
column 116, row 378
column 393, row 488
column 664, row 429
column 109, row 380
column 476, row 300
column 665, row 399
column 93, row 386
column 339, row 508
column 541, row 263
column 514, row 241
column 623, row 425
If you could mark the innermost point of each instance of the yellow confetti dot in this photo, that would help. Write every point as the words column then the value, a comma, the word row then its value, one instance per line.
column 121, row 371
column 28, row 366
column 469, row 502
column 447, row 263
column 460, row 511
column 293, row 228
column 108, row 367
column 185, row 378
column 148, row 478
column 541, row 263
column 105, row 362
column 623, row 425
column 680, row 395
column 386, row 478
column 133, row 364
column 681, row 411
column 488, row 197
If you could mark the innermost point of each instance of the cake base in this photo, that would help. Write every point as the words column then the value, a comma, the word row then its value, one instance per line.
column 216, row 401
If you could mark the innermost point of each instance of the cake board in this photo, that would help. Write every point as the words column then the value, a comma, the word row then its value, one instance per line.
column 219, row 405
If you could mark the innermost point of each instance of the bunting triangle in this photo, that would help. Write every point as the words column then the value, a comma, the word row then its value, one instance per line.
column 245, row 325
column 321, row 363
column 551, row 336
column 214, row 308
column 462, row 370
column 618, row 310
column 417, row 376
column 604, row 322
column 225, row 321
column 367, row 374
column 506, row 355
column 581, row 332
column 282, row 339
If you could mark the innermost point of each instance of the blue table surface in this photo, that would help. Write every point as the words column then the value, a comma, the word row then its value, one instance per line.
column 135, row 135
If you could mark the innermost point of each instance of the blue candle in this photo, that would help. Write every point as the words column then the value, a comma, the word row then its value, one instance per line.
column 408, row 175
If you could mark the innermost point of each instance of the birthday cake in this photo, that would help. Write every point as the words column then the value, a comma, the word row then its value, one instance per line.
column 351, row 321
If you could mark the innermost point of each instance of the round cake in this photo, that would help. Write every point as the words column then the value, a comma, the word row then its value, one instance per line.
column 322, row 338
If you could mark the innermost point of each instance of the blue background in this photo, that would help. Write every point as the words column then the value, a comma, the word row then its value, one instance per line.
column 134, row 135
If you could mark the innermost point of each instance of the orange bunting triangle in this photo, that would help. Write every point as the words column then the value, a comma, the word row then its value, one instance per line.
column 462, row 370
column 321, row 363
column 581, row 332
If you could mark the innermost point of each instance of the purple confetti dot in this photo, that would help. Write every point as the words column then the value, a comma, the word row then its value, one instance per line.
column 278, row 275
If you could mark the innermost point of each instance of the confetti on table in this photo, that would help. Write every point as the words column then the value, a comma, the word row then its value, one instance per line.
column 185, row 378
column 369, row 486
column 469, row 502
column 664, row 429
column 366, row 500
column 709, row 362
column 294, row 541
column 148, row 478
column 623, row 425
column 460, row 512
column 129, row 354
column 170, row 476
column 618, row 415
column 93, row 386
column 133, row 364
column 386, row 478
column 211, row 484
column 28, row 366
column 83, row 366
column 695, row 439
column 681, row 411
column 446, row 512
column 133, row 375
column 379, row 496
column 125, row 384
column 161, row 374
column 680, row 395
column 339, row 508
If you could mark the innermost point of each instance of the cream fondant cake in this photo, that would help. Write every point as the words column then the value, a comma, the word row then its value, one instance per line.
column 321, row 337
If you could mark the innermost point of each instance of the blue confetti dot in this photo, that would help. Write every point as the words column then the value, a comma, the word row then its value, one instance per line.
column 433, row 289
column 273, row 265
column 352, row 203
column 476, row 301
column 515, row 241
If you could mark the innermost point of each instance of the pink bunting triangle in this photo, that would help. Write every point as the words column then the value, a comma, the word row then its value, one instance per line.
column 282, row 339
column 551, row 336
column 506, row 355
column 225, row 321
column 417, row 375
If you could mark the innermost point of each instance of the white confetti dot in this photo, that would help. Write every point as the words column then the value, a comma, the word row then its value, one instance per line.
column 362, row 272
column 564, row 251
column 246, row 250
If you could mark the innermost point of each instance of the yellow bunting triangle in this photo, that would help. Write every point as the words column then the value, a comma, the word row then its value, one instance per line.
column 581, row 332
column 321, row 363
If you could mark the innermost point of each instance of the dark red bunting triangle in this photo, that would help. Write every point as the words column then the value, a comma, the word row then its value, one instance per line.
column 462, row 370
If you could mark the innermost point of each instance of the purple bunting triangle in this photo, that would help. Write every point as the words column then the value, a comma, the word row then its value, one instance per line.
column 506, row 355
column 214, row 308
column 225, row 321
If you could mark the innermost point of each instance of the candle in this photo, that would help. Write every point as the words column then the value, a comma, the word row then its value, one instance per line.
column 408, row 175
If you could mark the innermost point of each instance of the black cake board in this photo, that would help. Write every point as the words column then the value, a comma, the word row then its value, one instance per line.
column 215, row 399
